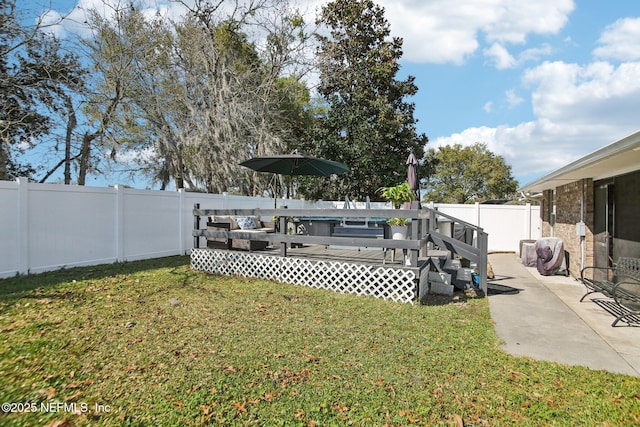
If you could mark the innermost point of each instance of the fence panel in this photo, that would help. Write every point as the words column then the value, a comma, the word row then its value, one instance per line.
column 69, row 226
column 9, row 228
column 150, row 224
column 506, row 225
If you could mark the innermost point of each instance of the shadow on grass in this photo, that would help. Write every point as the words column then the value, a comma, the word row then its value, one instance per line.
column 457, row 298
column 16, row 287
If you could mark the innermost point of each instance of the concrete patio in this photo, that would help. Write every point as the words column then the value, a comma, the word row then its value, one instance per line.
column 541, row 317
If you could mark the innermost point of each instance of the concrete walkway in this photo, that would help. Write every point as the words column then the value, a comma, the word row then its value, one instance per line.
column 541, row 317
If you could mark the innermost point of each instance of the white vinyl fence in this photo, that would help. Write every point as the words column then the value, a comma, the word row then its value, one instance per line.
column 50, row 226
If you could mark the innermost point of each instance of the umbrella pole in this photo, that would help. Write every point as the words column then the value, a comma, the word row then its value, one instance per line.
column 274, row 180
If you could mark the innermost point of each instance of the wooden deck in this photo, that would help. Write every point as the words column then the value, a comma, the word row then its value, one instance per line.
column 354, row 264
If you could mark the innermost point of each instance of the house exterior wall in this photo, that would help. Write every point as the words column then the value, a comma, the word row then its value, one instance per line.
column 570, row 209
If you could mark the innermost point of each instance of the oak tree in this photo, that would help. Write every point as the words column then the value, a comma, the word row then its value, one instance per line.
column 457, row 174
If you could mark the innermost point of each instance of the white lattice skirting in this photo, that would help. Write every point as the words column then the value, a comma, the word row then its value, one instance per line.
column 388, row 283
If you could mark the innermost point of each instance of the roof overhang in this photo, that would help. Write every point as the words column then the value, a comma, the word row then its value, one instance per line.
column 615, row 159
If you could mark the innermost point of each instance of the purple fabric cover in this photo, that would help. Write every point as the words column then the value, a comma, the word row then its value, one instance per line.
column 551, row 257
column 544, row 253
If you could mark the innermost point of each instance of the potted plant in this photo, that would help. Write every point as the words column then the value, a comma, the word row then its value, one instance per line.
column 398, row 195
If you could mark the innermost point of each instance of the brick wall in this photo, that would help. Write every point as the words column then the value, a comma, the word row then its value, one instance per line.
column 568, row 203
column 545, row 213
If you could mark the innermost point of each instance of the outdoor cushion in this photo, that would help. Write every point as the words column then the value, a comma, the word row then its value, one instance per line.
column 251, row 230
column 225, row 219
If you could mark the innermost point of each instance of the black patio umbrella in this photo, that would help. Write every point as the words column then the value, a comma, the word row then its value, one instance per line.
column 412, row 176
column 295, row 164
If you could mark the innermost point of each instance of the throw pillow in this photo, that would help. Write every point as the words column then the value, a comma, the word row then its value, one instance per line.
column 246, row 223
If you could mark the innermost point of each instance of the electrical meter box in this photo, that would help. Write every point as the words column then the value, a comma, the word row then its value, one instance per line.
column 581, row 229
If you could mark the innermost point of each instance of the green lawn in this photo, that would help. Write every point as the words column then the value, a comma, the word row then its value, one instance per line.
column 155, row 343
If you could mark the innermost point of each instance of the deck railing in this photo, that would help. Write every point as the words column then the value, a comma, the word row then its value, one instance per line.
column 423, row 232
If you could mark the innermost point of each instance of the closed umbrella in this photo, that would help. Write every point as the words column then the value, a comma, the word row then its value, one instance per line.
column 412, row 176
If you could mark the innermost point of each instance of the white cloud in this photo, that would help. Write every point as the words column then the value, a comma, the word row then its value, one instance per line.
column 134, row 157
column 583, row 95
column 488, row 107
column 499, row 55
column 513, row 100
column 517, row 19
column 535, row 53
column 620, row 41
column 437, row 31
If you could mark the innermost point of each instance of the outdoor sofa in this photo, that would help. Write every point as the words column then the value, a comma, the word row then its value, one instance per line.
column 239, row 226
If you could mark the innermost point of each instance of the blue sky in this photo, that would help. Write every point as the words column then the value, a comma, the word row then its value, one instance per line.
column 541, row 82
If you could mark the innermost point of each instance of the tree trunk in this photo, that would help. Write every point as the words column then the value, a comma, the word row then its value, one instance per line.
column 4, row 160
column 179, row 172
column 85, row 153
column 71, row 125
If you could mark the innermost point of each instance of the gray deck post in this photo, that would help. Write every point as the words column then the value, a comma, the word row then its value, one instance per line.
column 483, row 245
column 283, row 230
column 415, row 228
column 424, row 232
column 196, row 226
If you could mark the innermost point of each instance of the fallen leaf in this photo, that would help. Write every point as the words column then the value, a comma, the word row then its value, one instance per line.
column 73, row 397
column 299, row 414
column 513, row 375
column 59, row 423
column 50, row 393
column 340, row 408
column 240, row 407
column 78, row 384
column 268, row 397
column 457, row 419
